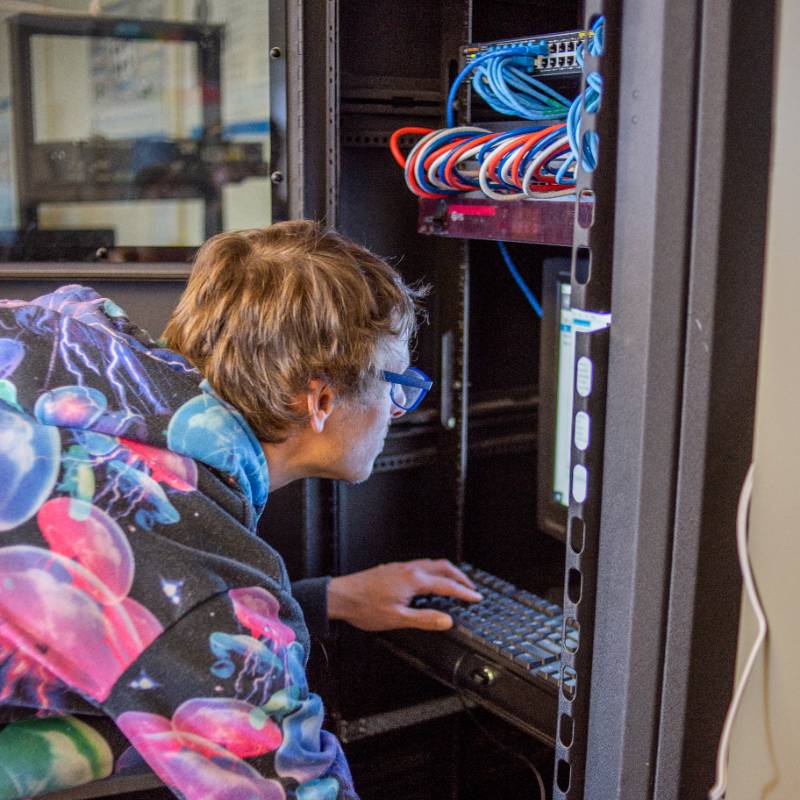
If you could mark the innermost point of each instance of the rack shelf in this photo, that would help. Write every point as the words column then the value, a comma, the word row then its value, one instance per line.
column 534, row 221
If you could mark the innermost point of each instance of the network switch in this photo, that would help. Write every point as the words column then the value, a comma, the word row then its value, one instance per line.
column 552, row 54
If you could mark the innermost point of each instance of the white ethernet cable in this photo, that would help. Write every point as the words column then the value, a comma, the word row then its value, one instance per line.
column 717, row 791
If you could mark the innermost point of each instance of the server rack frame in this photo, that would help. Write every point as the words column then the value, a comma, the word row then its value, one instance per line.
column 682, row 372
column 661, row 463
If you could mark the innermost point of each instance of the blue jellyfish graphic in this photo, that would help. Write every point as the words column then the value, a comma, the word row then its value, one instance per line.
column 11, row 354
column 70, row 406
column 207, row 430
column 141, row 490
column 30, row 457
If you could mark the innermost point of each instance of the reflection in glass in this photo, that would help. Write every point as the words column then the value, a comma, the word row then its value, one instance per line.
column 146, row 126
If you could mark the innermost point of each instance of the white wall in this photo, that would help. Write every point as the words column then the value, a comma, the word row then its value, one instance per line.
column 765, row 748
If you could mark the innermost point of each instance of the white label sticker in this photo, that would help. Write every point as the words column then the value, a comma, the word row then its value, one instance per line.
column 581, row 430
column 580, row 480
column 583, row 380
column 590, row 321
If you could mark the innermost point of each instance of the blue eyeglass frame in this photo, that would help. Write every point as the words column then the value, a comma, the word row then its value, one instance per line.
column 412, row 377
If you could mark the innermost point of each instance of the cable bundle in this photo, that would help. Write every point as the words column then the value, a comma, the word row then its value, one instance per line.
column 591, row 100
column 502, row 79
column 538, row 161
column 508, row 165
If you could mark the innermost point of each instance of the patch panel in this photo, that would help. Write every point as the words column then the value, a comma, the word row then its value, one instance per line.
column 552, row 54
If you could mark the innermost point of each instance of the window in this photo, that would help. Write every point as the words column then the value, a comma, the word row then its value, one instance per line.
column 133, row 134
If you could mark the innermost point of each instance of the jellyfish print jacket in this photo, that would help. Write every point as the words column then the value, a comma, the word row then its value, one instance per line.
column 132, row 586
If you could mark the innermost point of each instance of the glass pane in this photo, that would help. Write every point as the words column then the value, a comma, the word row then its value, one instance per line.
column 133, row 134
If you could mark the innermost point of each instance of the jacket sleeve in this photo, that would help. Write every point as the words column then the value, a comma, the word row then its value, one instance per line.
column 312, row 595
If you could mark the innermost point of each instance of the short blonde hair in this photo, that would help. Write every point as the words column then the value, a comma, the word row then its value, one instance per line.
column 267, row 310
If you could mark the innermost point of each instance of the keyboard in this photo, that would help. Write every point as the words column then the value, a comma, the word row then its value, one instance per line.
column 504, row 652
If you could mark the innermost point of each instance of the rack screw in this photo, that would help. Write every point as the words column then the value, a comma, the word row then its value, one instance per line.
column 451, row 423
column 276, row 177
column 484, row 676
column 275, row 52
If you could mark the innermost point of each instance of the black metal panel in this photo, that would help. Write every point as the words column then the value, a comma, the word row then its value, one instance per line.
column 392, row 40
column 279, row 65
column 654, row 190
column 21, row 81
column 312, row 86
column 394, row 516
column 293, row 523
column 722, row 336
column 453, row 316
column 504, row 330
column 501, row 535
column 420, row 766
column 501, row 19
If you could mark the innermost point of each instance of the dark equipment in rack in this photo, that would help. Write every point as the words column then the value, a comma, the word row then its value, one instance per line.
column 591, row 240
column 556, row 59
column 551, row 512
column 102, row 169
column 469, row 217
column 503, row 653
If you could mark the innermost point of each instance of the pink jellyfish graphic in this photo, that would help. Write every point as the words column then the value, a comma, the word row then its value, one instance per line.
column 257, row 610
column 200, row 751
column 86, row 534
column 177, row 472
column 67, row 608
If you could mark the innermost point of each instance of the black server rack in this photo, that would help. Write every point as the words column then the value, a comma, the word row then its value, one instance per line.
column 675, row 262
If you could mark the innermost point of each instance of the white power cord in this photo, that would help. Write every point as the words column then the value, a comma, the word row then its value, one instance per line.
column 719, row 788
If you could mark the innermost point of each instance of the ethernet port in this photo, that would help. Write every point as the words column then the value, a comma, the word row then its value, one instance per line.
column 561, row 46
column 562, row 61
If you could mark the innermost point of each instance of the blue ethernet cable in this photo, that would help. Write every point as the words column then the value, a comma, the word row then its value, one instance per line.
column 510, row 90
column 518, row 278
column 551, row 104
column 587, row 152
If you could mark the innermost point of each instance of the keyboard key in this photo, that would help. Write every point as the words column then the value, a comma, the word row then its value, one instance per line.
column 550, row 646
column 550, row 672
column 539, row 652
column 515, row 624
column 527, row 660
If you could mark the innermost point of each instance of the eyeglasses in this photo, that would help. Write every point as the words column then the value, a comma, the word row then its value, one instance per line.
column 409, row 389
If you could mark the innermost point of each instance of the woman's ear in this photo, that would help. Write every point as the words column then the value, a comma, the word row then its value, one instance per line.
column 321, row 400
